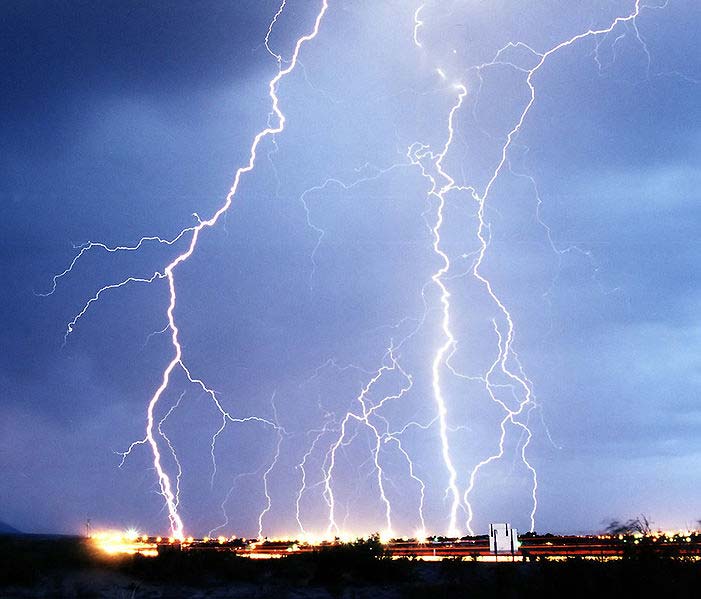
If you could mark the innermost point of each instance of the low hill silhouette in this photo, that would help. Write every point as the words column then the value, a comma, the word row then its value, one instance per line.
column 6, row 529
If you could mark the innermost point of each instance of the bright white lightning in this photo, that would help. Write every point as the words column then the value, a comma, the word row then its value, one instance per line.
column 505, row 345
column 418, row 24
column 176, row 523
column 226, row 500
column 343, row 440
column 278, row 57
column 511, row 415
column 266, row 474
column 503, row 364
column 446, row 351
column 422, row 486
column 125, row 454
column 225, row 415
column 367, row 410
column 529, row 81
column 303, row 480
column 420, row 154
column 321, row 233
column 71, row 325
column 92, row 245
column 179, row 474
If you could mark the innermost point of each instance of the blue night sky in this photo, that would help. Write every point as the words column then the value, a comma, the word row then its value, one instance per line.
column 121, row 119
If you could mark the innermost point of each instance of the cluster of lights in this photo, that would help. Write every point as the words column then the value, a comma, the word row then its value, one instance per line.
column 128, row 542
column 131, row 542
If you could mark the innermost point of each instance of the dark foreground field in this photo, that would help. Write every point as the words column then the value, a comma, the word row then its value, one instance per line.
column 69, row 567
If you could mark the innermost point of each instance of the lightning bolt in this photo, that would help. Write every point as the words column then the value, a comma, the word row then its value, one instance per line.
column 234, row 482
column 418, row 24
column 176, row 522
column 90, row 246
column 277, row 57
column 166, row 487
column 329, row 426
column 225, row 415
column 266, row 474
column 71, row 325
column 179, row 467
column 441, row 183
column 505, row 382
column 506, row 345
column 125, row 454
column 321, row 233
column 366, row 411
column 302, row 467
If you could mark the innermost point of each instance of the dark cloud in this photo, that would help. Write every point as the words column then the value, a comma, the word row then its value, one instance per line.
column 55, row 51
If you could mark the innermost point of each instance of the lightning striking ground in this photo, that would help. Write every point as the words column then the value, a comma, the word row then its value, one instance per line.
column 176, row 523
column 505, row 345
column 441, row 183
column 505, row 381
column 366, row 411
column 506, row 340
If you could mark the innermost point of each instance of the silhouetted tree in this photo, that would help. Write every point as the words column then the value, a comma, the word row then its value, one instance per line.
column 641, row 525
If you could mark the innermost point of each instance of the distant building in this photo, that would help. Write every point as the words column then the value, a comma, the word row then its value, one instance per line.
column 503, row 539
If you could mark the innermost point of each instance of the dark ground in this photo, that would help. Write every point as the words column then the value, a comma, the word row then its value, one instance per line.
column 34, row 566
